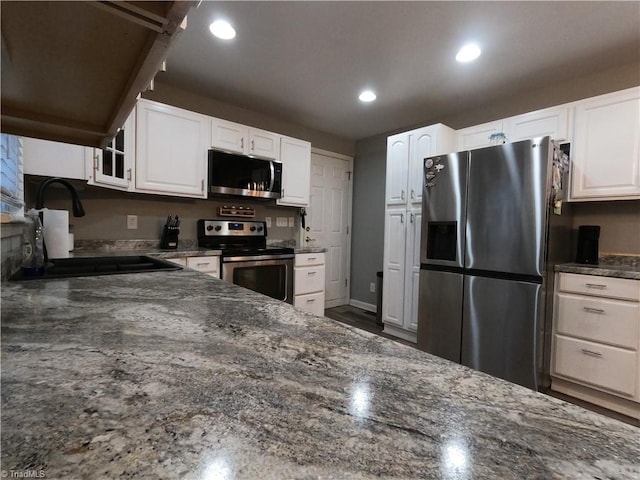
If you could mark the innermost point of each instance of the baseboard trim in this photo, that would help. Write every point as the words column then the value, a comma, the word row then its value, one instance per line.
column 363, row 305
column 401, row 333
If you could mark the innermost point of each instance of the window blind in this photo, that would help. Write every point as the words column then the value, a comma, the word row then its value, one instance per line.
column 11, row 177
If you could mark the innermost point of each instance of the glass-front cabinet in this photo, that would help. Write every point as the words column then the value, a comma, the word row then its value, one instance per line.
column 113, row 166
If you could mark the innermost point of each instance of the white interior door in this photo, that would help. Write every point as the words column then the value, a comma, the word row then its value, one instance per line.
column 329, row 219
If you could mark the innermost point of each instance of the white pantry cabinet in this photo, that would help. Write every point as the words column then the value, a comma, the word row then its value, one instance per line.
column 171, row 150
column 403, row 194
column 295, row 156
column 114, row 166
column 237, row 138
column 606, row 147
column 596, row 341
column 54, row 159
column 308, row 282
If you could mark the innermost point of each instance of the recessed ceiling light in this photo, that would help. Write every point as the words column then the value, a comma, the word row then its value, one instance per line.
column 468, row 53
column 222, row 29
column 367, row 96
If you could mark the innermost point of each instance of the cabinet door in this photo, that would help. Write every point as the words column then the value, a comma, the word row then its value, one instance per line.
column 296, row 172
column 264, row 144
column 209, row 265
column 54, row 159
column 113, row 166
column 394, row 267
column 397, row 168
column 171, row 150
column 551, row 121
column 228, row 136
column 606, row 147
column 478, row 136
column 412, row 275
column 421, row 143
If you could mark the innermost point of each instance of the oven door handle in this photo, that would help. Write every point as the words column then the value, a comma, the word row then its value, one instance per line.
column 256, row 258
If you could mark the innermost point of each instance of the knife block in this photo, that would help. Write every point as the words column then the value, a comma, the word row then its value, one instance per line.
column 169, row 237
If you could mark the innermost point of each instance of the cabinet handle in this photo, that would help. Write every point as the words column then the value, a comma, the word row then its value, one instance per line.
column 402, row 218
column 129, row 174
column 242, row 143
column 202, row 185
column 311, row 258
column 411, row 218
column 413, row 194
column 252, row 146
column 402, row 195
column 309, row 300
column 311, row 273
column 202, row 264
column 593, row 310
column 591, row 353
column 595, row 285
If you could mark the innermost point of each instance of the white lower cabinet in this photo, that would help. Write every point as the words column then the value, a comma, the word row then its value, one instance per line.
column 308, row 282
column 596, row 341
column 209, row 264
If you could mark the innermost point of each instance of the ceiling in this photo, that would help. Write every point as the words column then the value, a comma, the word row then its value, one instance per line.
column 306, row 62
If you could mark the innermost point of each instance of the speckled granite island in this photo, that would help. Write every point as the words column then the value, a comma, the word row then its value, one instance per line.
column 176, row 375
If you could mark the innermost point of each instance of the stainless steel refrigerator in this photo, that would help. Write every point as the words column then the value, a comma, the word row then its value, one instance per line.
column 493, row 227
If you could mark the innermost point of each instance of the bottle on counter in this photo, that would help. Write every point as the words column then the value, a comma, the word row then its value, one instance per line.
column 33, row 247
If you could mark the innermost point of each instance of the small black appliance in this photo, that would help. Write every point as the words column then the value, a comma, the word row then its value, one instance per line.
column 588, row 237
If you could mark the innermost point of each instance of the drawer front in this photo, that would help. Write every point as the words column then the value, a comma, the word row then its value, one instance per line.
column 601, row 320
column 621, row 288
column 313, row 302
column 204, row 264
column 602, row 366
column 305, row 259
column 308, row 280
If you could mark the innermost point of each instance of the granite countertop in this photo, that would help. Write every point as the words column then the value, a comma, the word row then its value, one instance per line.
column 310, row 250
column 180, row 375
column 619, row 266
column 96, row 248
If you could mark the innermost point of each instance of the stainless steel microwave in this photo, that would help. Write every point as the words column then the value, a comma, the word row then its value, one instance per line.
column 246, row 176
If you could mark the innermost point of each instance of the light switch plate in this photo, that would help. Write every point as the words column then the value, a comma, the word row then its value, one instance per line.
column 267, row 220
column 281, row 222
column 291, row 222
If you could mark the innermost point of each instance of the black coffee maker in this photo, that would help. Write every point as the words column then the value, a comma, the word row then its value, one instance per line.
column 588, row 236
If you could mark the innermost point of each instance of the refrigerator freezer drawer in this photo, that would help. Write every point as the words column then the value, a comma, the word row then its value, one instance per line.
column 500, row 332
column 599, row 365
column 598, row 319
column 440, row 314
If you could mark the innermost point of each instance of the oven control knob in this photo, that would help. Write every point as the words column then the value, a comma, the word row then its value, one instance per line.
column 218, row 228
column 253, row 229
column 209, row 228
column 259, row 229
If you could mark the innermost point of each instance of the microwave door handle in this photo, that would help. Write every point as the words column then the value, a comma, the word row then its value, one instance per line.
column 273, row 176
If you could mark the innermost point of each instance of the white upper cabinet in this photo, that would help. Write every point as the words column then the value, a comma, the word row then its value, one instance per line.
column 114, row 166
column 405, row 157
column 478, row 136
column 54, row 159
column 237, row 138
column 550, row 121
column 296, row 172
column 605, row 151
column 554, row 122
column 397, row 168
column 171, row 150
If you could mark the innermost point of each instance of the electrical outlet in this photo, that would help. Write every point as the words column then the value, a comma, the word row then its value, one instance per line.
column 291, row 222
column 132, row 222
column 372, row 287
column 281, row 222
column 267, row 220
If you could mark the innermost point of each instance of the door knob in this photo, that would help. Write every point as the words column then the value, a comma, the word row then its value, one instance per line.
column 309, row 239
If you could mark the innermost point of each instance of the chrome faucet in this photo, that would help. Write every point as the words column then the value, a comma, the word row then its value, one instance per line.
column 78, row 211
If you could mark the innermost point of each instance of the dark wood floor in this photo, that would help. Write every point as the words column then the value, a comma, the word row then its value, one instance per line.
column 359, row 318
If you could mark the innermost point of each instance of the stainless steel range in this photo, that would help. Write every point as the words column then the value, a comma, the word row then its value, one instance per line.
column 246, row 259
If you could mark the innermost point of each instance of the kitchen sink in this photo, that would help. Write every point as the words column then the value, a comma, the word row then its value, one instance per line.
column 91, row 266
